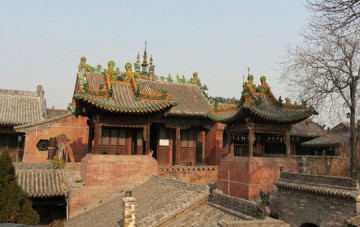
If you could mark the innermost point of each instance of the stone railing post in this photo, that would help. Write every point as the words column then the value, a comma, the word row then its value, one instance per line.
column 129, row 209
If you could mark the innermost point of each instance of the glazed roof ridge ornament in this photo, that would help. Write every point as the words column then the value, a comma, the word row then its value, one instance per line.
column 260, row 103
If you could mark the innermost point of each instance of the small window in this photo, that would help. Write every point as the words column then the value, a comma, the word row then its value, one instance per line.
column 163, row 137
column 42, row 145
column 113, row 136
column 187, row 138
column 139, row 136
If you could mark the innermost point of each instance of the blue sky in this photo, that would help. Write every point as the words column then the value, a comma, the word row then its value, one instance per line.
column 41, row 41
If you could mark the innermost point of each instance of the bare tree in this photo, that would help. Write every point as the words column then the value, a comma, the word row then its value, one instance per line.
column 325, row 70
column 337, row 14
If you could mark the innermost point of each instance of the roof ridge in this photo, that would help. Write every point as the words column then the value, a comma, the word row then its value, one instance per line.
column 44, row 121
column 18, row 92
column 177, row 183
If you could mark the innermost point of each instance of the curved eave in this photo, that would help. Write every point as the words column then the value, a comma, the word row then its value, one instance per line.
column 186, row 114
column 293, row 118
column 12, row 124
column 316, row 189
column 155, row 107
column 310, row 135
column 326, row 144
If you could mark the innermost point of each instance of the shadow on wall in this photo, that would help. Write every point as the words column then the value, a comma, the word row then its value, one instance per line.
column 78, row 149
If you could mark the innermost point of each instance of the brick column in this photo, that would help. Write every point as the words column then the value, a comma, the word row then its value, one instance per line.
column 147, row 138
column 177, row 146
column 287, row 143
column 129, row 210
column 229, row 143
column 202, row 136
column 251, row 139
column 97, row 132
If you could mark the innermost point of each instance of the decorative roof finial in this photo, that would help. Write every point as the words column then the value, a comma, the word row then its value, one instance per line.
column 144, row 64
column 145, row 53
column 138, row 58
column 151, row 60
column 248, row 71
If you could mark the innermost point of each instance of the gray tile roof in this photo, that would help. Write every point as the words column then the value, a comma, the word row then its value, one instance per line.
column 307, row 128
column 21, row 128
column 54, row 113
column 327, row 140
column 260, row 103
column 342, row 187
column 19, row 107
column 121, row 100
column 354, row 221
column 156, row 200
column 40, row 179
column 190, row 99
column 205, row 215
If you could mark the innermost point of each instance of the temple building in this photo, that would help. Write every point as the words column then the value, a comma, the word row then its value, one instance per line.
column 138, row 112
column 260, row 124
column 259, row 139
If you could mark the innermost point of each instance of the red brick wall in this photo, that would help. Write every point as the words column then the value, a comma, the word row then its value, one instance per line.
column 327, row 165
column 250, row 174
column 75, row 129
column 112, row 170
column 214, row 150
column 104, row 175
column 191, row 174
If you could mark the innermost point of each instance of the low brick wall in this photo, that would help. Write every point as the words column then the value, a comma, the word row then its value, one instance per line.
column 104, row 175
column 320, row 200
column 191, row 174
column 243, row 177
column 324, row 165
column 252, row 223
column 243, row 206
column 113, row 170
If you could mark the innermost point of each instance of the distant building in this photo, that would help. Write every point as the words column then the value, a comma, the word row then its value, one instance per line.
column 26, row 125
column 18, row 108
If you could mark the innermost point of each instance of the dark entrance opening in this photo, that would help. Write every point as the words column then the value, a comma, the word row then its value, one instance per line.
column 154, row 128
column 50, row 209
column 308, row 225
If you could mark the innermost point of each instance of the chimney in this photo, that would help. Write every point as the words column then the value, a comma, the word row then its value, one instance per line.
column 41, row 93
column 129, row 209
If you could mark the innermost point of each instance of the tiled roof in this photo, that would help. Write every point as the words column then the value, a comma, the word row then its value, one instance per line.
column 260, row 103
column 122, row 97
column 40, row 180
column 168, row 202
column 327, row 140
column 342, row 127
column 189, row 97
column 354, row 221
column 205, row 215
column 325, row 185
column 156, row 200
column 307, row 128
column 19, row 107
column 19, row 128
column 54, row 113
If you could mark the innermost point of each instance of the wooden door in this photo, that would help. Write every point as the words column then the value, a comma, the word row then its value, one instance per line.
column 164, row 146
column 187, row 147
